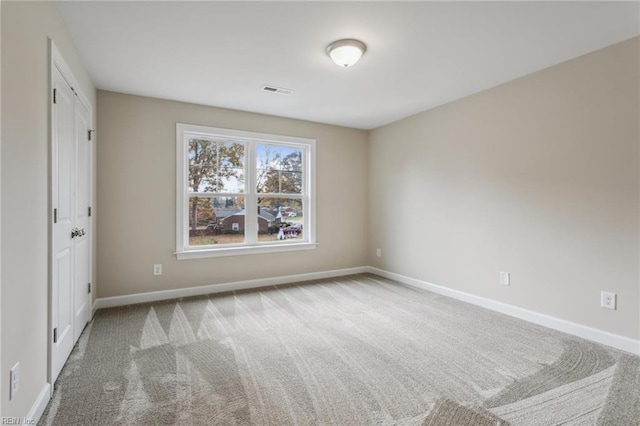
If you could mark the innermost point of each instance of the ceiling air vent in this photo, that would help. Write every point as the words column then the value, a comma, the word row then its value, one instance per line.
column 278, row 90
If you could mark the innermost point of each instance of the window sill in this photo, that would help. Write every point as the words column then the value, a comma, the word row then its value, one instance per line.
column 237, row 251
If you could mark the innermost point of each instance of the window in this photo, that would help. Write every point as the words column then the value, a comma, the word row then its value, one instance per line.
column 242, row 193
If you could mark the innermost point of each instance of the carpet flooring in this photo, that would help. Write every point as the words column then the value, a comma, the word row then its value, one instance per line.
column 356, row 350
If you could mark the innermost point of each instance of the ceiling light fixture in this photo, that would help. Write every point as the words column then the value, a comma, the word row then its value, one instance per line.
column 346, row 52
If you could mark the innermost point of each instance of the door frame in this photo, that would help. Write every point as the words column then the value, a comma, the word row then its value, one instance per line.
column 56, row 60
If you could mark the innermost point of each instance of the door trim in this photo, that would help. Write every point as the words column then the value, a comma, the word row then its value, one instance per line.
column 56, row 60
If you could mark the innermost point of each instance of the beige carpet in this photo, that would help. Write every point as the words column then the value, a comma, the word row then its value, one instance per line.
column 356, row 350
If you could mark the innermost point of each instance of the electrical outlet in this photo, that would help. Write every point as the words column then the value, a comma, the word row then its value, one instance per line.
column 379, row 252
column 505, row 278
column 608, row 300
column 157, row 269
column 13, row 379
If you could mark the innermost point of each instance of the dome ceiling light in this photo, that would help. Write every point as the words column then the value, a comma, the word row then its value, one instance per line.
column 346, row 52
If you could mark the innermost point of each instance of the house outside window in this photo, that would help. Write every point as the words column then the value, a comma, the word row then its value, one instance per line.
column 243, row 192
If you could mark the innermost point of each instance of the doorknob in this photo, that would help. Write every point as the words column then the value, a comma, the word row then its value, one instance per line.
column 75, row 232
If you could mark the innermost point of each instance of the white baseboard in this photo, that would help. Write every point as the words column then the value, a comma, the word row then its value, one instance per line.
column 109, row 302
column 40, row 404
column 614, row 340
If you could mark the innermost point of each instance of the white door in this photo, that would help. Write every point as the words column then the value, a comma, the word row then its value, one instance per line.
column 71, row 232
column 63, row 179
column 82, row 241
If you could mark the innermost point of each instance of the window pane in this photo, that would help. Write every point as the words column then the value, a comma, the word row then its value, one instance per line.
column 280, row 220
column 291, row 182
column 231, row 180
column 279, row 169
column 215, row 166
column 216, row 220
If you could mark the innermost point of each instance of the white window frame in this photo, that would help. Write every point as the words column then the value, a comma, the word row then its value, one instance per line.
column 251, row 244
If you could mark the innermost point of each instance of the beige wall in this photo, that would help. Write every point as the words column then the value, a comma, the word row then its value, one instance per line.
column 537, row 177
column 25, row 189
column 136, row 194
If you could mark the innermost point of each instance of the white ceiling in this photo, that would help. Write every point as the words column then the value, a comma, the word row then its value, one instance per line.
column 420, row 54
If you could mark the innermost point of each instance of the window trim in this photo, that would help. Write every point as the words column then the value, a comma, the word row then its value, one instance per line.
column 183, row 251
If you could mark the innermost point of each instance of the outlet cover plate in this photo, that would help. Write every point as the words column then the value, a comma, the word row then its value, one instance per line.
column 157, row 269
column 505, row 278
column 608, row 300
column 14, row 380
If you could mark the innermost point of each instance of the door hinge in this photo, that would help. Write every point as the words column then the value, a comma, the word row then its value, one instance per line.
column 89, row 211
column 89, row 134
column 55, row 335
column 89, row 288
column 55, row 215
column 55, row 96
